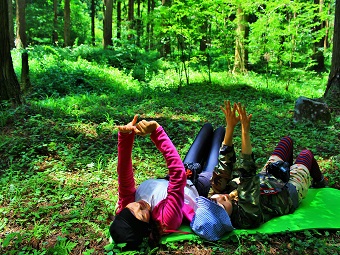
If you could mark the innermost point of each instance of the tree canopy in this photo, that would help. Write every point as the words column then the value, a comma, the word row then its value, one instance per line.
column 282, row 34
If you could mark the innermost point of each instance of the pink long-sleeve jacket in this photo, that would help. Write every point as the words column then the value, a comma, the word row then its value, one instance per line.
column 171, row 209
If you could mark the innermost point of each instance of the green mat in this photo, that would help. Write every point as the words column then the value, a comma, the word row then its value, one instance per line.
column 319, row 210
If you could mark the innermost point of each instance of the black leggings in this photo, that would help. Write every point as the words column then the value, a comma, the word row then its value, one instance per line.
column 205, row 150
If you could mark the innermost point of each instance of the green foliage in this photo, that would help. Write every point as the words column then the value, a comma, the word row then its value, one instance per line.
column 14, row 237
column 39, row 19
column 63, row 246
column 39, row 22
column 282, row 37
column 200, row 35
column 58, row 153
column 138, row 63
column 80, row 23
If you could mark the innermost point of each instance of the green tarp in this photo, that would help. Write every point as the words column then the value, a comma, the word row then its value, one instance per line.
column 319, row 210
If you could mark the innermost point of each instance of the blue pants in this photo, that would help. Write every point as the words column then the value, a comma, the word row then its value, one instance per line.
column 205, row 150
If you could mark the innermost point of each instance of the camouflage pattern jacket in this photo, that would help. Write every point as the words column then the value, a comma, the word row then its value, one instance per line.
column 256, row 197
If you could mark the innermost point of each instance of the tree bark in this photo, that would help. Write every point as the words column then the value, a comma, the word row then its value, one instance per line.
column 318, row 56
column 119, row 19
column 131, row 18
column 326, row 41
column 25, row 80
column 93, row 15
column 11, row 24
column 166, row 2
column 149, row 26
column 166, row 46
column 336, row 40
column 332, row 92
column 204, row 32
column 241, row 51
column 108, row 9
column 9, row 85
column 67, row 24
column 139, row 24
column 20, row 41
column 55, row 23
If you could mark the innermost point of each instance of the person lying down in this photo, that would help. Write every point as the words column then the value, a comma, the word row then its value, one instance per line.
column 159, row 206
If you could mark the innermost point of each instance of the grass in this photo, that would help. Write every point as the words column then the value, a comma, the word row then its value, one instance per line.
column 58, row 153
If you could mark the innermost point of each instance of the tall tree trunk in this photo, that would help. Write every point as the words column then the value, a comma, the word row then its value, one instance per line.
column 119, row 19
column 166, row 2
column 139, row 24
column 166, row 46
column 20, row 41
column 93, row 16
column 149, row 26
column 204, row 39
column 131, row 14
column 326, row 41
column 67, row 23
column 9, row 85
column 241, row 51
column 25, row 80
column 11, row 23
column 332, row 92
column 55, row 23
column 318, row 45
column 108, row 9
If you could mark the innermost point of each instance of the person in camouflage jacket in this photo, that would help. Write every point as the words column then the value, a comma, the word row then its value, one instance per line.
column 249, row 198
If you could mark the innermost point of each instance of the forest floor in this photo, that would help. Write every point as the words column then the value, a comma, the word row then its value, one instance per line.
column 58, row 154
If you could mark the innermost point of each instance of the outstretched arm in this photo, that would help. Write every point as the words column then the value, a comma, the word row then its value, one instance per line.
column 169, row 210
column 247, row 213
column 223, row 171
column 126, row 182
column 231, row 121
column 245, row 129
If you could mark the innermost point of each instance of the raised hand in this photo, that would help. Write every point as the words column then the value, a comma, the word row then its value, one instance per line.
column 231, row 121
column 130, row 127
column 244, row 118
column 145, row 127
column 245, row 129
column 230, row 114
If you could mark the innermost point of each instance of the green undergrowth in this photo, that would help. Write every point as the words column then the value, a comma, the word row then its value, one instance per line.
column 58, row 152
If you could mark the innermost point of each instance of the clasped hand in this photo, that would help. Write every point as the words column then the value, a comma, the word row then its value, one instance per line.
column 142, row 128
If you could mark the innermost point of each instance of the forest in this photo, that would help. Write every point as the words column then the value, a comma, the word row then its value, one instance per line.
column 72, row 71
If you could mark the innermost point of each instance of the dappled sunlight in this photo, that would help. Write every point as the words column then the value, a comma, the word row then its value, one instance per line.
column 59, row 199
column 59, row 152
column 89, row 130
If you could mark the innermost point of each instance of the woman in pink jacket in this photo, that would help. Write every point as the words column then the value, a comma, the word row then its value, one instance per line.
column 159, row 206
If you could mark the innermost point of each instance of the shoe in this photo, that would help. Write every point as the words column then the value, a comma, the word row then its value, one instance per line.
column 192, row 171
column 320, row 184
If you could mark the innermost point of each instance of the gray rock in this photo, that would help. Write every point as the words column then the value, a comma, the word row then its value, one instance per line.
column 312, row 110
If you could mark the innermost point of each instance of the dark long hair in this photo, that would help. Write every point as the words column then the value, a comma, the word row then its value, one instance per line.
column 155, row 233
